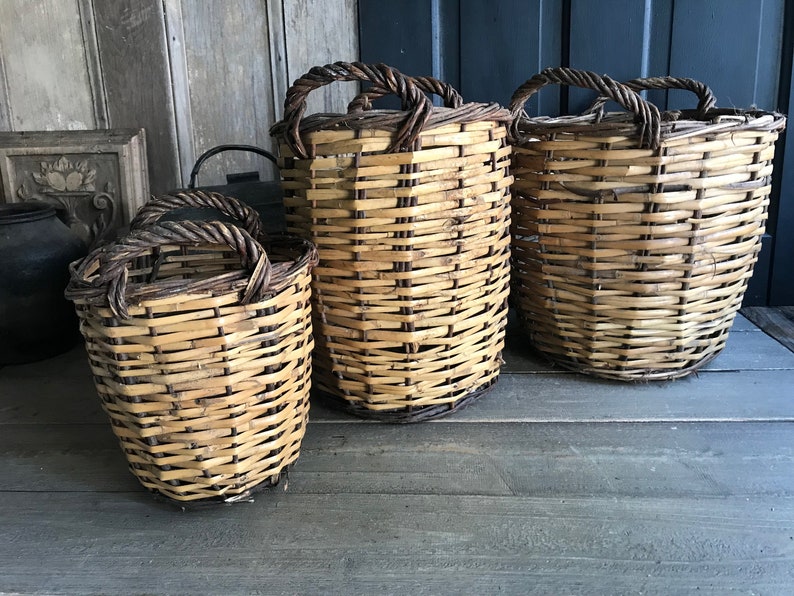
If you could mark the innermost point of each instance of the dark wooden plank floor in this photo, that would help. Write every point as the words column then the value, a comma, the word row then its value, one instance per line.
column 554, row 483
column 777, row 321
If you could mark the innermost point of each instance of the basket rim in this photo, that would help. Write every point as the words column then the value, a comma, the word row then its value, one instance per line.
column 393, row 120
column 87, row 287
column 675, row 123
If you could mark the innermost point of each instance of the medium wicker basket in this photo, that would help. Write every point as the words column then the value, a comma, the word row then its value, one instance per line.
column 634, row 233
column 199, row 339
column 410, row 211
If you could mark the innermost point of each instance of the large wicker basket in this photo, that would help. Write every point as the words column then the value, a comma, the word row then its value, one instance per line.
column 634, row 233
column 199, row 339
column 410, row 212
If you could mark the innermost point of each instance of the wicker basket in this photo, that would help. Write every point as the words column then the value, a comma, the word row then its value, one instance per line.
column 635, row 233
column 410, row 214
column 201, row 356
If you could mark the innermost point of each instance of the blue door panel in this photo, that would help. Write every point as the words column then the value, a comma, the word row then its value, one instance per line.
column 733, row 46
column 505, row 43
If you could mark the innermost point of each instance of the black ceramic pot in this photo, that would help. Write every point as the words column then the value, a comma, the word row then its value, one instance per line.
column 36, row 247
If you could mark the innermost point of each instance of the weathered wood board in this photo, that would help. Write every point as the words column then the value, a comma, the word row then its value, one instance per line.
column 194, row 74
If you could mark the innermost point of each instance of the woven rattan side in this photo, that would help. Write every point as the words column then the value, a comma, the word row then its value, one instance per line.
column 202, row 362
column 410, row 292
column 634, row 234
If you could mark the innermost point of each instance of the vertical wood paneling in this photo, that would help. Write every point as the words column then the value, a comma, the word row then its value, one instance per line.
column 180, row 83
column 278, row 55
column 608, row 36
column 485, row 50
column 132, row 43
column 782, row 279
column 614, row 37
column 45, row 68
column 5, row 104
column 505, row 43
column 194, row 74
column 228, row 64
column 319, row 32
column 447, row 42
column 93, row 63
column 776, row 15
column 660, row 14
column 398, row 34
column 735, row 50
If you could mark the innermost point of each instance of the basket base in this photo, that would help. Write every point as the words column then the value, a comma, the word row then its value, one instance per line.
column 244, row 497
column 628, row 375
column 404, row 415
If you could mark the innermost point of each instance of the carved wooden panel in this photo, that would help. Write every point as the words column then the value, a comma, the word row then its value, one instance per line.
column 96, row 180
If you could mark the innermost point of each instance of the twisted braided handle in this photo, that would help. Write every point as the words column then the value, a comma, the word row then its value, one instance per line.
column 159, row 206
column 108, row 267
column 448, row 94
column 646, row 114
column 706, row 99
column 417, row 104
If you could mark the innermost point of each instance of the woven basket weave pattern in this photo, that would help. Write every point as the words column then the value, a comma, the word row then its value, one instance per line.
column 631, row 262
column 208, row 396
column 410, row 294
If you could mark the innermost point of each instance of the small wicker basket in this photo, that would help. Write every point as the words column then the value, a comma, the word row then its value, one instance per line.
column 201, row 356
column 409, row 210
column 634, row 233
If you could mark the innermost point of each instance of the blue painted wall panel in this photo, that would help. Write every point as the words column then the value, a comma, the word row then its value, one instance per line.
column 608, row 37
column 733, row 46
column 505, row 43
column 397, row 33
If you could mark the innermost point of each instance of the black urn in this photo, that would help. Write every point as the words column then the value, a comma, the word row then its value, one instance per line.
column 36, row 247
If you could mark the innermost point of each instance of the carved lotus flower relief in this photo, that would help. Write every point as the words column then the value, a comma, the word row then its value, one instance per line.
column 62, row 175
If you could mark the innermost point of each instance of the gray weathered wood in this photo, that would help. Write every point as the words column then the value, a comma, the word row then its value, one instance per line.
column 741, row 323
column 180, row 83
column 131, row 38
column 371, row 544
column 5, row 98
column 228, row 64
column 719, row 396
column 45, row 66
column 332, row 27
column 279, row 80
column 93, row 61
column 775, row 321
column 518, row 459
column 110, row 165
